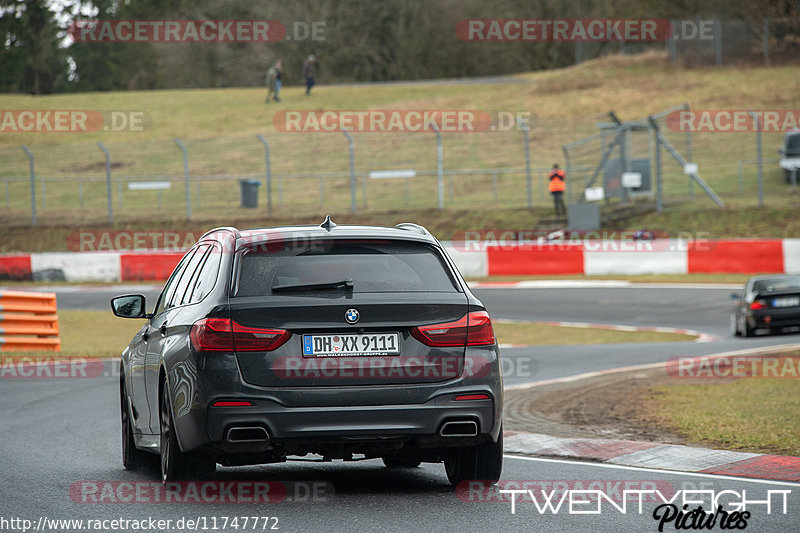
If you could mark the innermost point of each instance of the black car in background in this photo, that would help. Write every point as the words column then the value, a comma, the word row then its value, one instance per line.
column 769, row 302
column 343, row 341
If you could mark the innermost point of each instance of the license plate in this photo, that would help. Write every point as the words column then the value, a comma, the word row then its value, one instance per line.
column 351, row 345
column 786, row 301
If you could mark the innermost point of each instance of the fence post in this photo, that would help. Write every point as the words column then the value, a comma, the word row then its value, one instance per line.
column 765, row 39
column 7, row 200
column 689, row 154
column 269, row 173
column 568, row 165
column 44, row 194
column 525, row 132
column 80, row 193
column 718, row 40
column 659, row 191
column 321, row 191
column 186, row 177
column 351, row 149
column 439, row 164
column 108, row 180
column 33, row 184
column 741, row 178
column 759, row 160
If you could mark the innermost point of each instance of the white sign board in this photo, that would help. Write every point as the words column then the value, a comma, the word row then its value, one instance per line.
column 384, row 174
column 631, row 180
column 594, row 194
column 690, row 168
column 148, row 185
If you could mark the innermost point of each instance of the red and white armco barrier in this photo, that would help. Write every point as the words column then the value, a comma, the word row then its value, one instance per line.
column 662, row 256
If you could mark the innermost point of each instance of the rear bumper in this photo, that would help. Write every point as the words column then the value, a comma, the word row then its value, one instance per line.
column 774, row 318
column 291, row 427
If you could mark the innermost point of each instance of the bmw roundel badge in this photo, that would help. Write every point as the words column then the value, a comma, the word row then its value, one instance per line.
column 352, row 316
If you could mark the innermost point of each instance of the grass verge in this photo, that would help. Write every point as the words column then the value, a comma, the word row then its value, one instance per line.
column 759, row 415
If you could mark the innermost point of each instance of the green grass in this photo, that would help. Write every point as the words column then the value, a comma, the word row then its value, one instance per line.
column 753, row 415
column 546, row 335
column 219, row 127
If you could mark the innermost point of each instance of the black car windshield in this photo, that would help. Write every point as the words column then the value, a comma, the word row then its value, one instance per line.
column 373, row 266
column 777, row 284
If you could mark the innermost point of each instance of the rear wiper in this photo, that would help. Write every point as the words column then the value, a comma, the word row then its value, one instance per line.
column 346, row 284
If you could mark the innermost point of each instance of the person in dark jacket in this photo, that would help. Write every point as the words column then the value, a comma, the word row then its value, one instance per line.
column 308, row 73
column 274, row 74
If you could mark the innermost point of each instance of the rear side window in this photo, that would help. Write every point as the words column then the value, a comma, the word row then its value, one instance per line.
column 186, row 277
column 373, row 266
column 207, row 277
column 169, row 288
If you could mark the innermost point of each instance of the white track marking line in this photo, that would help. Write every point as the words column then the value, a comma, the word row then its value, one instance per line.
column 586, row 375
column 654, row 470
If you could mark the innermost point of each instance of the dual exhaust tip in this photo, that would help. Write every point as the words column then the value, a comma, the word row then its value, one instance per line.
column 459, row 428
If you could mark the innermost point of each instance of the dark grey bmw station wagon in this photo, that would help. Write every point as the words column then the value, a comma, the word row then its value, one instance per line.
column 348, row 342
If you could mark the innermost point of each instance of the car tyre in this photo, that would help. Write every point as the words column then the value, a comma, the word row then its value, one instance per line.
column 401, row 462
column 176, row 465
column 746, row 330
column 483, row 462
column 132, row 457
column 735, row 326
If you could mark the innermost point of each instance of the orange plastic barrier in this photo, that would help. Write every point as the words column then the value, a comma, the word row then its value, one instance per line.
column 28, row 321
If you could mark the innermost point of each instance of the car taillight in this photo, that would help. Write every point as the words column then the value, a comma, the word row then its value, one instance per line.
column 473, row 329
column 758, row 304
column 226, row 335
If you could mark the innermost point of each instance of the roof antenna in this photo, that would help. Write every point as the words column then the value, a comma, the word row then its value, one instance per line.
column 328, row 224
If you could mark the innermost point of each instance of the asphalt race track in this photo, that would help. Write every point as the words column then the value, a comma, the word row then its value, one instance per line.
column 61, row 436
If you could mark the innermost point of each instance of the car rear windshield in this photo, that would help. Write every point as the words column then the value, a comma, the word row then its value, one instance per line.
column 325, row 266
column 777, row 284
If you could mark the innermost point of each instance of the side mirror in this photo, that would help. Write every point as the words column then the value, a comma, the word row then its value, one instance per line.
column 780, row 151
column 734, row 296
column 129, row 306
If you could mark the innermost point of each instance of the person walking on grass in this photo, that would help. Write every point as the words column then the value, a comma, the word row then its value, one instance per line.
column 274, row 74
column 308, row 73
column 557, row 187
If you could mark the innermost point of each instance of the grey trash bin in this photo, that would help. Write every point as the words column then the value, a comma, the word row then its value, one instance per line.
column 249, row 190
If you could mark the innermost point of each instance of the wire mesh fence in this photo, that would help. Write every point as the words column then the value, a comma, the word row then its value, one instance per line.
column 308, row 172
